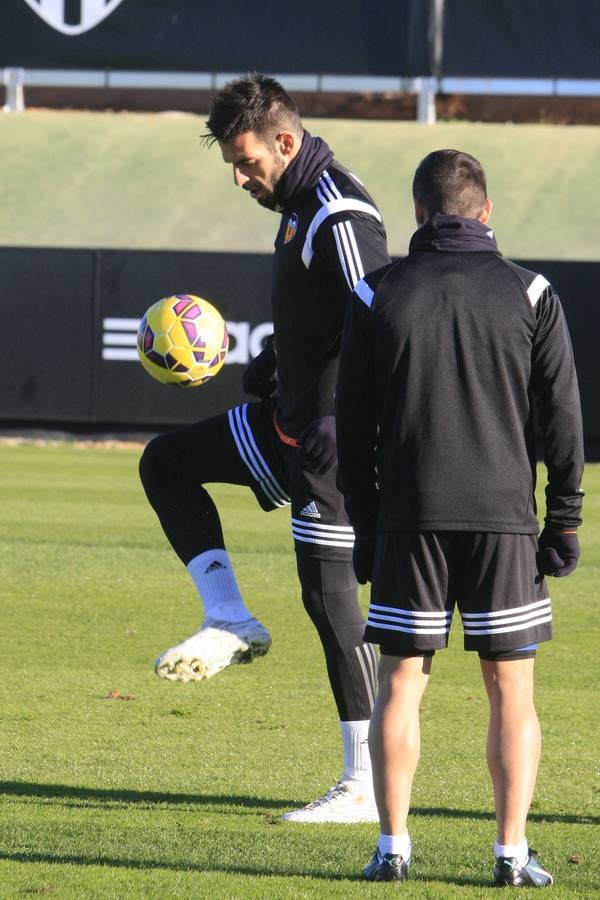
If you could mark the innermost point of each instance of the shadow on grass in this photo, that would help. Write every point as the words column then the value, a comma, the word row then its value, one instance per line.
column 129, row 797
column 68, row 859
column 446, row 813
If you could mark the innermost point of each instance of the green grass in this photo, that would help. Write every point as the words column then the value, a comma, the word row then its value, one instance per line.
column 177, row 791
column 145, row 181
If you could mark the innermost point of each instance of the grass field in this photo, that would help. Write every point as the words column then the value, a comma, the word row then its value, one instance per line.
column 114, row 784
column 145, row 181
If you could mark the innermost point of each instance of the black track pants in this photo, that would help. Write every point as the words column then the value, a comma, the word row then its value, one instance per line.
column 242, row 450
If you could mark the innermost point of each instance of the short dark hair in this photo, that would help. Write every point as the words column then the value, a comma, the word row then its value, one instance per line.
column 255, row 103
column 450, row 182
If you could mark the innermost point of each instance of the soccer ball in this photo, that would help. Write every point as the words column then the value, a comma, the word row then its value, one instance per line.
column 182, row 340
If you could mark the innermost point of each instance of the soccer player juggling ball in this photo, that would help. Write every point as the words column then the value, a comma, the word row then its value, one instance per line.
column 283, row 447
column 444, row 356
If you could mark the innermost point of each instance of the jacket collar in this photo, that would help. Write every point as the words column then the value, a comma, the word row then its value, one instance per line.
column 303, row 172
column 453, row 233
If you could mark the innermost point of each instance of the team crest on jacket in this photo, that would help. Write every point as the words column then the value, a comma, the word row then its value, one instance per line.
column 83, row 16
column 291, row 228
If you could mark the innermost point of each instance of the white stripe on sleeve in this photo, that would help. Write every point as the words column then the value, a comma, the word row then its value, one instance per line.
column 365, row 293
column 536, row 289
column 330, row 209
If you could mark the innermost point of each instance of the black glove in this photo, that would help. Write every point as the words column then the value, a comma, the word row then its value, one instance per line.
column 318, row 445
column 559, row 552
column 259, row 377
column 363, row 557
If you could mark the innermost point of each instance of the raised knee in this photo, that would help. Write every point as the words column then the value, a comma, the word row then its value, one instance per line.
column 155, row 461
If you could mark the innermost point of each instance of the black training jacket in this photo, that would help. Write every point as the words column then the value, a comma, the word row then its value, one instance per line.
column 331, row 235
column 446, row 354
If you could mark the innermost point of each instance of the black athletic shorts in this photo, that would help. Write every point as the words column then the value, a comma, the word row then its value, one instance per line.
column 277, row 478
column 419, row 576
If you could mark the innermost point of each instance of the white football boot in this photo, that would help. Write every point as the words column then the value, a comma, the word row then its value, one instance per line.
column 346, row 802
column 213, row 648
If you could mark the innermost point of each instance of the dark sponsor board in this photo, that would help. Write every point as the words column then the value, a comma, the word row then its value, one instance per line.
column 71, row 318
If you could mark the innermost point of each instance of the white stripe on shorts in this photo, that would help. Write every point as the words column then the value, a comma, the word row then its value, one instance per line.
column 507, row 620
column 253, row 458
column 317, row 533
column 410, row 621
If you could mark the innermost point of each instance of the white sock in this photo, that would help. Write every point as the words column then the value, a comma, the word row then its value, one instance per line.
column 397, row 844
column 519, row 851
column 357, row 761
column 214, row 579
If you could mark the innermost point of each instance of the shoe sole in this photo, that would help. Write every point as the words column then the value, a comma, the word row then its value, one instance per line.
column 384, row 878
column 174, row 666
column 304, row 820
column 509, row 884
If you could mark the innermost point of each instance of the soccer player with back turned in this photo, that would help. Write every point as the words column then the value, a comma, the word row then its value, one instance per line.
column 283, row 447
column 445, row 356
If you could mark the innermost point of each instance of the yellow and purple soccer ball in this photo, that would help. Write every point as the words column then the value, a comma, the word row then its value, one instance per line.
column 182, row 340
